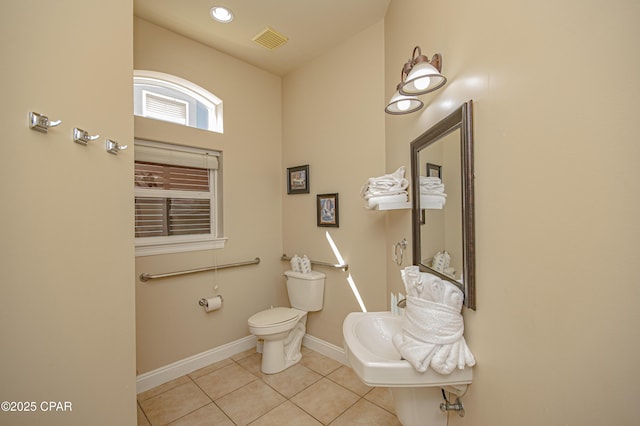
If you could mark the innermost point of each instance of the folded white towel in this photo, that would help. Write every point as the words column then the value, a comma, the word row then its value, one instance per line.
column 429, row 180
column 432, row 330
column 432, row 201
column 393, row 183
column 432, row 190
column 371, row 194
column 431, row 186
column 372, row 202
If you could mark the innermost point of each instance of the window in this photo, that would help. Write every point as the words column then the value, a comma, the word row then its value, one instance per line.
column 176, row 199
column 173, row 99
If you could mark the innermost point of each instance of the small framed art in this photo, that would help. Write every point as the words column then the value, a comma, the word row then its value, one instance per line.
column 327, row 205
column 298, row 180
column 433, row 170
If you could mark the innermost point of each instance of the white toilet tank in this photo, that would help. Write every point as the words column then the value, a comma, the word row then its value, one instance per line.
column 306, row 291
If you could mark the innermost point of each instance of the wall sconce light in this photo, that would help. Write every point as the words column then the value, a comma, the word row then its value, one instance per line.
column 419, row 76
column 402, row 104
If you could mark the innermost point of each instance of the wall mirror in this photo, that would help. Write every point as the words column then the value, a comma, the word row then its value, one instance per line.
column 442, row 178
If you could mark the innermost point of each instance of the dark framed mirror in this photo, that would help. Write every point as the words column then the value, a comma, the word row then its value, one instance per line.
column 443, row 222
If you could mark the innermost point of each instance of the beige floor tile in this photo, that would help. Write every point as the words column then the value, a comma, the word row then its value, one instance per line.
column 244, row 354
column 325, row 400
column 319, row 363
column 174, row 403
column 249, row 402
column 366, row 413
column 292, row 380
column 252, row 363
column 163, row 388
column 346, row 377
column 248, row 395
column 382, row 397
column 224, row 380
column 205, row 416
column 286, row 414
column 142, row 419
column 210, row 368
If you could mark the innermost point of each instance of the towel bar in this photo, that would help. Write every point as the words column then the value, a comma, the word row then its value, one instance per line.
column 343, row 266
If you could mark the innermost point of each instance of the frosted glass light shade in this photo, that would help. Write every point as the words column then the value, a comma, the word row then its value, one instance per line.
column 423, row 78
column 402, row 104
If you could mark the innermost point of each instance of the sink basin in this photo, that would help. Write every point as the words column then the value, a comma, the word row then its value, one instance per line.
column 374, row 358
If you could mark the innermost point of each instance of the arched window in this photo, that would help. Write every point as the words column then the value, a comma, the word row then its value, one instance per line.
column 169, row 98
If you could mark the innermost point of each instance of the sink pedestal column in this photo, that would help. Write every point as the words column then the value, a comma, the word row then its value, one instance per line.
column 419, row 406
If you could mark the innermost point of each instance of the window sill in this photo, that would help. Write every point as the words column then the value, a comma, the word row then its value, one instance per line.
column 149, row 249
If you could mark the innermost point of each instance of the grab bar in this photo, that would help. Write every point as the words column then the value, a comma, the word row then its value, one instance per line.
column 343, row 266
column 147, row 277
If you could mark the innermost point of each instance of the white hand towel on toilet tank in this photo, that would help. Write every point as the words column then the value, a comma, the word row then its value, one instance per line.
column 391, row 188
column 305, row 265
column 301, row 264
column 296, row 263
column 432, row 330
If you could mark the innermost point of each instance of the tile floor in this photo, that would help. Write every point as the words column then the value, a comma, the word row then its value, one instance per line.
column 316, row 391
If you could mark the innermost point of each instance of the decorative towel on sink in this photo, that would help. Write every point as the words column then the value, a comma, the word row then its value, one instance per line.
column 432, row 327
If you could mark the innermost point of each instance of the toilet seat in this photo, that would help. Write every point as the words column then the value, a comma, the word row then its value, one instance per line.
column 274, row 320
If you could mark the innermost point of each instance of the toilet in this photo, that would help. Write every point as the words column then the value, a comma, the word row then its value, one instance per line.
column 282, row 329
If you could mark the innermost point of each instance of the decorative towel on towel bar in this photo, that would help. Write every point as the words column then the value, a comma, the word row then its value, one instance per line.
column 432, row 329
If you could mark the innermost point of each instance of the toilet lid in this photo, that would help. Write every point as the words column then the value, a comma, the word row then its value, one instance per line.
column 272, row 316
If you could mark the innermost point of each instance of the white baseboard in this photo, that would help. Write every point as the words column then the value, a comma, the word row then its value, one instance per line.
column 184, row 366
column 325, row 348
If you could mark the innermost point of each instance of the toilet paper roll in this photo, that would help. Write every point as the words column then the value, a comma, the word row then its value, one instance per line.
column 213, row 304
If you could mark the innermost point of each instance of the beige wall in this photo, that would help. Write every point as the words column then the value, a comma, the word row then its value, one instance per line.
column 556, row 188
column 67, row 315
column 170, row 324
column 333, row 121
column 555, row 91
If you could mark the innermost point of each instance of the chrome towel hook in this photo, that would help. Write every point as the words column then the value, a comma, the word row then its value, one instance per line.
column 41, row 122
column 82, row 136
column 113, row 147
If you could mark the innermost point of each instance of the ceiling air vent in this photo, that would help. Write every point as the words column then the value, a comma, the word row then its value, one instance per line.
column 270, row 39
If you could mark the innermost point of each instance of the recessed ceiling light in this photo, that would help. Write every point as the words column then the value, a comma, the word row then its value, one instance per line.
column 221, row 14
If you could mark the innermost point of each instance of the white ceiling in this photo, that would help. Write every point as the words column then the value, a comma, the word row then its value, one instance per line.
column 312, row 26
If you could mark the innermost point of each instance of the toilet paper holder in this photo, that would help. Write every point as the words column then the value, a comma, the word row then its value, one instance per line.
column 203, row 302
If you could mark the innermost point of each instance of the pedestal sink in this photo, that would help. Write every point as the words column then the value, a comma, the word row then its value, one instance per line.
column 374, row 358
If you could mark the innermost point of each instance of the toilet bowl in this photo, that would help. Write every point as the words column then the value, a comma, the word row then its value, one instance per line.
column 282, row 329
column 278, row 328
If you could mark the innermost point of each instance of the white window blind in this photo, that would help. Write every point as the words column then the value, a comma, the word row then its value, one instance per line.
column 186, row 208
column 165, row 108
column 166, row 154
column 175, row 194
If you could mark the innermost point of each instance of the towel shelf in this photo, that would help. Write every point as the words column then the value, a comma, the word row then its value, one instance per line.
column 394, row 206
column 147, row 277
column 343, row 266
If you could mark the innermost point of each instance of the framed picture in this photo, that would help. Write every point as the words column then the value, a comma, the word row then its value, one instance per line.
column 433, row 170
column 298, row 180
column 327, row 205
